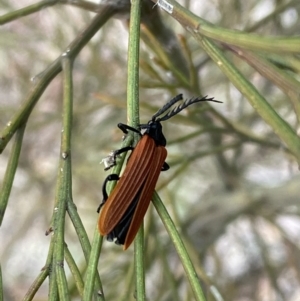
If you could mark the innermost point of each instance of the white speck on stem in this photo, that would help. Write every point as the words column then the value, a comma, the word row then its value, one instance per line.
column 165, row 5
column 64, row 155
column 66, row 53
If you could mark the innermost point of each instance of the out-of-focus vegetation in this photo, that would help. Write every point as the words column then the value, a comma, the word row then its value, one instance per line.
column 233, row 186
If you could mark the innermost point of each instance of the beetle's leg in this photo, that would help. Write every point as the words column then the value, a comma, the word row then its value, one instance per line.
column 124, row 128
column 165, row 166
column 112, row 177
column 111, row 159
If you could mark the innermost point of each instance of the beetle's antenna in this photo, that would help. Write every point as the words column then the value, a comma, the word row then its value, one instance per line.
column 167, row 106
column 186, row 103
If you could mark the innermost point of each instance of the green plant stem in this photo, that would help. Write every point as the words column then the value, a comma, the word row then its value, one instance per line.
column 89, row 283
column 53, row 290
column 64, row 181
column 37, row 283
column 74, row 270
column 25, row 11
column 92, row 280
column 139, row 265
column 166, row 268
column 133, row 64
column 79, row 228
column 258, row 102
column 46, row 271
column 198, row 25
column 181, row 250
column 133, row 119
column 283, row 80
column 11, row 171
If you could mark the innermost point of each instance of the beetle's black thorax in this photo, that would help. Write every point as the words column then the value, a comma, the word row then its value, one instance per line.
column 154, row 130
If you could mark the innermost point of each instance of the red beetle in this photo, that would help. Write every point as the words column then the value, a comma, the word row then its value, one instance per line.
column 122, row 212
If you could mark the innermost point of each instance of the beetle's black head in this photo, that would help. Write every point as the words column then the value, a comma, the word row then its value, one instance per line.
column 154, row 130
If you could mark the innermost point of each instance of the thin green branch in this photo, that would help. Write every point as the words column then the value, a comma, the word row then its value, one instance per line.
column 74, row 270
column 53, row 288
column 133, row 65
column 89, row 283
column 37, row 283
column 11, row 171
column 250, row 41
column 79, row 228
column 46, row 271
column 93, row 282
column 168, row 274
column 133, row 119
column 64, row 181
column 139, row 265
column 195, row 24
column 181, row 250
column 25, row 11
column 259, row 103
column 282, row 79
